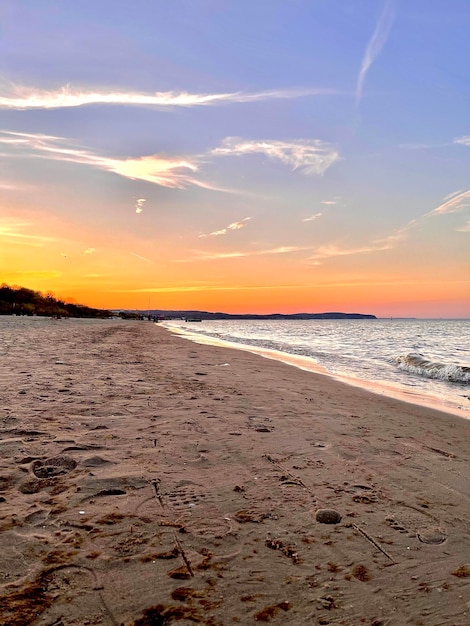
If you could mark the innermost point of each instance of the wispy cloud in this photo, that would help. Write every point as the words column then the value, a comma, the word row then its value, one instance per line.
column 375, row 45
column 312, row 217
column 453, row 194
column 89, row 251
column 205, row 287
column 171, row 172
column 7, row 186
column 453, row 203
column 464, row 141
column 139, row 205
column 203, row 256
column 21, row 97
column 234, row 226
column 310, row 156
column 381, row 244
column 143, row 258
column 465, row 228
column 33, row 275
column 15, row 232
column 332, row 250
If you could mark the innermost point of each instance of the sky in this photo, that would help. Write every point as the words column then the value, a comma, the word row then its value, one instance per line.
column 255, row 156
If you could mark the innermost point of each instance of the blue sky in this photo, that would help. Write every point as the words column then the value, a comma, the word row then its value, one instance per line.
column 245, row 156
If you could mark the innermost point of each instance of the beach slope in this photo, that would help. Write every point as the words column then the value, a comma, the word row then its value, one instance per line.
column 146, row 479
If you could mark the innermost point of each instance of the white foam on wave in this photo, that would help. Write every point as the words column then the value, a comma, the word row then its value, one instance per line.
column 383, row 388
column 417, row 364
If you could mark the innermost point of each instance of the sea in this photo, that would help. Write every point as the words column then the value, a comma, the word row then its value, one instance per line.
column 424, row 362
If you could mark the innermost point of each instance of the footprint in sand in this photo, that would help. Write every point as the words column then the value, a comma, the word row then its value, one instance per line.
column 36, row 518
column 432, row 536
column 409, row 520
column 55, row 466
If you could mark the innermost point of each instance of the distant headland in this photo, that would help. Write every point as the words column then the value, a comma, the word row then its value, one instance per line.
column 15, row 300
column 197, row 316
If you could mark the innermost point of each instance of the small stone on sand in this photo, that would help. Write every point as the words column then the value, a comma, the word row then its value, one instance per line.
column 328, row 516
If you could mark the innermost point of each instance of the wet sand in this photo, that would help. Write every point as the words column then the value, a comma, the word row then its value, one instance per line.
column 145, row 479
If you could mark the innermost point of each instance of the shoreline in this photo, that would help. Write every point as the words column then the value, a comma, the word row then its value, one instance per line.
column 381, row 388
column 144, row 477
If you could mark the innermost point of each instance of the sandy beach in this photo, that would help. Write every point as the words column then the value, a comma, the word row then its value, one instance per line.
column 148, row 480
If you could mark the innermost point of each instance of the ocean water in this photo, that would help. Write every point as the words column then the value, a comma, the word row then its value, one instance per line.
column 421, row 361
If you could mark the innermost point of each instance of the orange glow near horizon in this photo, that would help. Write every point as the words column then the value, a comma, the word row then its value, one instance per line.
column 45, row 257
column 55, row 255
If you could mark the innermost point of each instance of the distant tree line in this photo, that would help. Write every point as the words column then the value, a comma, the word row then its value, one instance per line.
column 21, row 301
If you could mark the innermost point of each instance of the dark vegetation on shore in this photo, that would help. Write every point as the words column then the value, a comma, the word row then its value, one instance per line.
column 22, row 301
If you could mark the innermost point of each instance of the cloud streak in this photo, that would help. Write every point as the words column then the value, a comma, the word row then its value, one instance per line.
column 14, row 232
column 202, row 256
column 456, row 202
column 453, row 203
column 234, row 226
column 164, row 171
column 376, row 245
column 330, row 251
column 143, row 258
column 464, row 141
column 465, row 228
column 21, row 98
column 206, row 287
column 310, row 156
column 312, row 218
column 375, row 45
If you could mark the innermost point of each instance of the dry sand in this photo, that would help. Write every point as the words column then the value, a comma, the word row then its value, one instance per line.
column 149, row 480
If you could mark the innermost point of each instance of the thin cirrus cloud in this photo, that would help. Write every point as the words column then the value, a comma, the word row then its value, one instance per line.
column 166, row 172
column 375, row 45
column 204, row 287
column 312, row 218
column 310, row 156
column 465, row 228
column 15, row 232
column 202, row 256
column 377, row 245
column 453, row 203
column 329, row 251
column 464, row 141
column 21, row 97
column 143, row 258
column 233, row 226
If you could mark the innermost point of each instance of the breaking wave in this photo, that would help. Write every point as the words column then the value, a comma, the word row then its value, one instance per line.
column 417, row 364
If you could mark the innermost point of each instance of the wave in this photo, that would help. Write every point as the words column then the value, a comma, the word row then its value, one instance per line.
column 417, row 364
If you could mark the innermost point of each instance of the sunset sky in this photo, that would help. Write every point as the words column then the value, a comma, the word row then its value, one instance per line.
column 238, row 155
